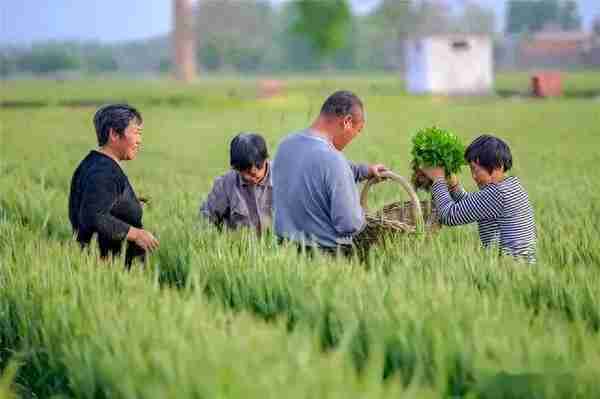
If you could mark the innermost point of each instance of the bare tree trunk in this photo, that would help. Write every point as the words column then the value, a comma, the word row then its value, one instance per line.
column 184, row 40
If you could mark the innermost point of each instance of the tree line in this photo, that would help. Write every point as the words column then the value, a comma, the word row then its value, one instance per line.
column 299, row 35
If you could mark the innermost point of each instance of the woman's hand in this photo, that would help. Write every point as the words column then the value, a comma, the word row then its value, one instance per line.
column 142, row 238
column 452, row 181
column 144, row 201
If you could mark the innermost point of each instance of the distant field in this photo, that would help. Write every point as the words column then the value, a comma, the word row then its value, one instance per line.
column 226, row 315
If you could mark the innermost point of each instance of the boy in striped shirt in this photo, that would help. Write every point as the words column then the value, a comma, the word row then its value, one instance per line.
column 501, row 206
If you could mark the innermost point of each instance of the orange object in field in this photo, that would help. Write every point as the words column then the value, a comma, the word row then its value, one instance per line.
column 546, row 84
column 268, row 88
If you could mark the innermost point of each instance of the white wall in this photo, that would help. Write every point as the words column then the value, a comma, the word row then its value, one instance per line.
column 417, row 79
column 449, row 65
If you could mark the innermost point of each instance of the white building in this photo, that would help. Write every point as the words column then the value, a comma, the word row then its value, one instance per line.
column 449, row 64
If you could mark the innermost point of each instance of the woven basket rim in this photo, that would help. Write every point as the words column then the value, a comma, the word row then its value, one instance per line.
column 393, row 177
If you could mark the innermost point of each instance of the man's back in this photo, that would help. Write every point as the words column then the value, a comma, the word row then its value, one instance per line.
column 315, row 199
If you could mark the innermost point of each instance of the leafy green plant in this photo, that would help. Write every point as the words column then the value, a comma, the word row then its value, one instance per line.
column 434, row 146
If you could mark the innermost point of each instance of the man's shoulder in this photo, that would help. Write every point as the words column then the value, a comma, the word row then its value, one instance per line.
column 293, row 137
column 332, row 155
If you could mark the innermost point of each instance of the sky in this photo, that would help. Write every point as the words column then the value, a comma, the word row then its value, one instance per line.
column 27, row 21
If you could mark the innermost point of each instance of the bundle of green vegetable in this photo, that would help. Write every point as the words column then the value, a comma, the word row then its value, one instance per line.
column 435, row 147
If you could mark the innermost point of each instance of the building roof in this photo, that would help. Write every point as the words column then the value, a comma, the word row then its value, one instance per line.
column 451, row 36
column 556, row 44
column 562, row 36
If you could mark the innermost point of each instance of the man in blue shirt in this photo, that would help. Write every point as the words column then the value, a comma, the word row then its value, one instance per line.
column 315, row 198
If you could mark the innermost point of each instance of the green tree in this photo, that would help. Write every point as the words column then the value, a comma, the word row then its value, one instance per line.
column 534, row 16
column 547, row 12
column 325, row 24
column 233, row 33
column 432, row 18
column 8, row 64
column 45, row 59
column 569, row 17
column 395, row 19
column 101, row 59
column 516, row 16
column 530, row 16
column 165, row 65
column 475, row 19
column 596, row 25
column 381, row 35
column 210, row 57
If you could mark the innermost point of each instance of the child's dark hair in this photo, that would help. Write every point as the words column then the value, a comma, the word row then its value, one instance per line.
column 247, row 150
column 490, row 153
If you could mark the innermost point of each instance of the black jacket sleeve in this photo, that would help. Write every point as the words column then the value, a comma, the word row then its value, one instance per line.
column 100, row 193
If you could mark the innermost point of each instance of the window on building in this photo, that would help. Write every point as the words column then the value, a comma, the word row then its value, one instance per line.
column 460, row 45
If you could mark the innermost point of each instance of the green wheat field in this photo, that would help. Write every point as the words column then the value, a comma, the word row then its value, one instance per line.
column 227, row 315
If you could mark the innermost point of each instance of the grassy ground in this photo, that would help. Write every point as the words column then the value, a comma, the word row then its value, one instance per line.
column 227, row 315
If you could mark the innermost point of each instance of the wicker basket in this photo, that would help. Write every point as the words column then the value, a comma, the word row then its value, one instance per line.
column 402, row 217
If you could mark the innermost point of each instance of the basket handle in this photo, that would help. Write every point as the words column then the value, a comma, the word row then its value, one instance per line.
column 414, row 199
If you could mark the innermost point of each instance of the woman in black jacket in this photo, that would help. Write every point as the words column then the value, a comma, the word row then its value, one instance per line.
column 101, row 200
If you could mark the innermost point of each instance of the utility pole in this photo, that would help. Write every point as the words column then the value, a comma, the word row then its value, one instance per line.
column 184, row 40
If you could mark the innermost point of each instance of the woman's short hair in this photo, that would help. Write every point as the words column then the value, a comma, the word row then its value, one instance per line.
column 248, row 150
column 490, row 153
column 116, row 117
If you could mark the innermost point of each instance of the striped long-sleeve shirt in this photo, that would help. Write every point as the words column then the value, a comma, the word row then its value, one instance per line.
column 502, row 211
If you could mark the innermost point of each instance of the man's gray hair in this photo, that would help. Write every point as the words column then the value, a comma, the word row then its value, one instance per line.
column 341, row 103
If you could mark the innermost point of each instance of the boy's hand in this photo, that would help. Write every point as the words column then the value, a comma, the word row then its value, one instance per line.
column 434, row 173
